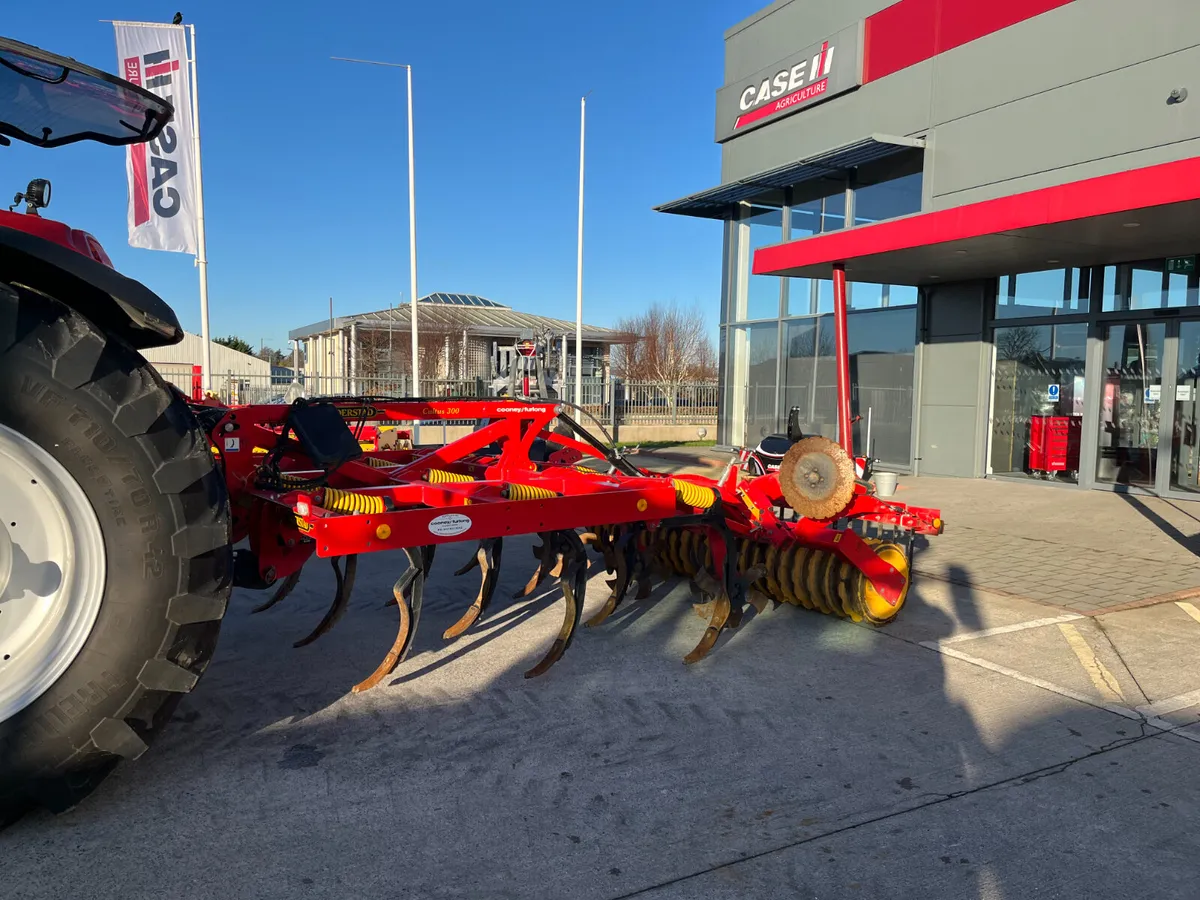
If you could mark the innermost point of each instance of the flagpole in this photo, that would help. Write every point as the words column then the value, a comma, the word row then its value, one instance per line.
column 579, row 262
column 201, row 246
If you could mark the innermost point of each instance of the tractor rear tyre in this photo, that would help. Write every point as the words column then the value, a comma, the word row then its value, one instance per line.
column 115, row 558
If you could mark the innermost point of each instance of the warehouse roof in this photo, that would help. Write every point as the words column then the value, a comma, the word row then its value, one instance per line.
column 461, row 312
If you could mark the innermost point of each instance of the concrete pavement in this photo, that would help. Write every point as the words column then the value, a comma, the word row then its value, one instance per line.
column 981, row 746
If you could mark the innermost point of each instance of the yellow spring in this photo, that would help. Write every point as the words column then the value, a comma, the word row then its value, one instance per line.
column 441, row 476
column 376, row 463
column 351, row 502
column 526, row 492
column 694, row 495
column 794, row 574
column 287, row 478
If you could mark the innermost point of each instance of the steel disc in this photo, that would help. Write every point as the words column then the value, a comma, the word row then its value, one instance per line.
column 817, row 478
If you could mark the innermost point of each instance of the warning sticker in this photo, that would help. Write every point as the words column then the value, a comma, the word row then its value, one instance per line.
column 233, row 445
column 449, row 525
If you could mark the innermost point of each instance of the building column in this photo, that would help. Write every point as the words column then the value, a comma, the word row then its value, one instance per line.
column 842, row 339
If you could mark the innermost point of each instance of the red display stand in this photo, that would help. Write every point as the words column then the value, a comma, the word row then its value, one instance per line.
column 1054, row 443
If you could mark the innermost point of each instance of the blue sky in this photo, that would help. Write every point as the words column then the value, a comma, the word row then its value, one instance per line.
column 304, row 158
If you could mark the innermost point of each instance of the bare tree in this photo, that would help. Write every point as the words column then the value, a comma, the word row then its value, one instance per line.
column 1022, row 343
column 385, row 347
column 665, row 345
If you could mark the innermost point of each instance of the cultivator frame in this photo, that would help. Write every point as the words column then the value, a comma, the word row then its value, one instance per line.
column 301, row 485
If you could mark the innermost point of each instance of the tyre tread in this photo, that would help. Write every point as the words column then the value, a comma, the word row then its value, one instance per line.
column 82, row 358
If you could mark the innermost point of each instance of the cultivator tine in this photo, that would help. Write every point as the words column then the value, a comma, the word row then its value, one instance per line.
column 412, row 584
column 487, row 560
column 726, row 594
column 549, row 563
column 628, row 565
column 567, row 547
column 341, row 598
column 427, row 553
column 289, row 584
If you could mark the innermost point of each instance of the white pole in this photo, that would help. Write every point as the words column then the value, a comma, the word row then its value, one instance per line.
column 579, row 263
column 412, row 234
column 201, row 247
column 412, row 223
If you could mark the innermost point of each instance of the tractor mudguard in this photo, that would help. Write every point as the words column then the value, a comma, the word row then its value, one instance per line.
column 116, row 304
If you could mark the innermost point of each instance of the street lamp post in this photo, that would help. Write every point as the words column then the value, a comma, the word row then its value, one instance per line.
column 412, row 216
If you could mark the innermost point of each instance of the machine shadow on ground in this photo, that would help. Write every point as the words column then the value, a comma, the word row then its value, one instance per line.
column 805, row 756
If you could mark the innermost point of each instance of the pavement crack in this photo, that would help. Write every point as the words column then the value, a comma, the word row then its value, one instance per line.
column 1148, row 732
column 1128, row 671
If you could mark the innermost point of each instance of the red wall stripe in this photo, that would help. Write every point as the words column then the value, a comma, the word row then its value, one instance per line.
column 913, row 31
column 1174, row 182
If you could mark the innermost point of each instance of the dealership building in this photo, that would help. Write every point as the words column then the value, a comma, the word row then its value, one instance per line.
column 1013, row 192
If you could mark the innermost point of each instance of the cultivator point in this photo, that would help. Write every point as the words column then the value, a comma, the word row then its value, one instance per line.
column 303, row 485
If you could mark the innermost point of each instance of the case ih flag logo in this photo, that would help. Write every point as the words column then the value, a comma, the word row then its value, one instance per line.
column 760, row 101
column 162, row 190
column 812, row 74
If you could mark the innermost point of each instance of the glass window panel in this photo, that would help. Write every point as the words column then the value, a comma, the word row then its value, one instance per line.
column 754, row 368
column 823, row 407
column 1037, row 404
column 824, row 296
column 799, row 297
column 902, row 295
column 1114, row 297
column 888, row 199
column 798, row 373
column 1130, row 404
column 1052, row 292
column 865, row 296
column 763, row 298
column 1146, row 287
column 882, row 352
column 1181, row 290
column 1185, row 446
column 833, row 217
column 806, row 219
column 882, row 347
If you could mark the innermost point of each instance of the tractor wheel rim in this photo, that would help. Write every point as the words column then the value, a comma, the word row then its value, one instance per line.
column 56, row 571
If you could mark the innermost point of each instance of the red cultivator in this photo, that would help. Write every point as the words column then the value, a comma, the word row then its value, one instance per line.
column 300, row 484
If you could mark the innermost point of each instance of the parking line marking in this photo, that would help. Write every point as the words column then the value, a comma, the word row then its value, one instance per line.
column 1189, row 609
column 1170, row 705
column 1104, row 681
column 1173, row 729
column 1009, row 629
column 1123, row 711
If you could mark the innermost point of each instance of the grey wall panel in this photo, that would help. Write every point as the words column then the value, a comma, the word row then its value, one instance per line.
column 1072, row 43
column 954, row 380
column 951, row 373
column 782, row 28
column 1049, row 178
column 897, row 105
column 1117, row 113
column 949, row 436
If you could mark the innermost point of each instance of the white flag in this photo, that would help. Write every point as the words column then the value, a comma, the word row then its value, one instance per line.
column 162, row 173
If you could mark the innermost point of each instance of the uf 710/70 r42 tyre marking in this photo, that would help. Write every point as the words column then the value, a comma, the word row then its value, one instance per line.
column 137, row 454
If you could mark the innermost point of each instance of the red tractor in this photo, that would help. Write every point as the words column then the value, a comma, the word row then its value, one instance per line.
column 115, row 559
column 121, row 501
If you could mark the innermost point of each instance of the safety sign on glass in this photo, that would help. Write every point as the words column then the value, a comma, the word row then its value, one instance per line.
column 1154, row 393
column 1052, row 393
column 1184, row 392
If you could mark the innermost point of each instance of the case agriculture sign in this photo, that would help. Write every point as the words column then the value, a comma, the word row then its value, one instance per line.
column 797, row 82
column 162, row 183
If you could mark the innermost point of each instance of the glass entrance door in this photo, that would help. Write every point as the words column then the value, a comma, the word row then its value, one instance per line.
column 1185, row 417
column 1131, row 405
